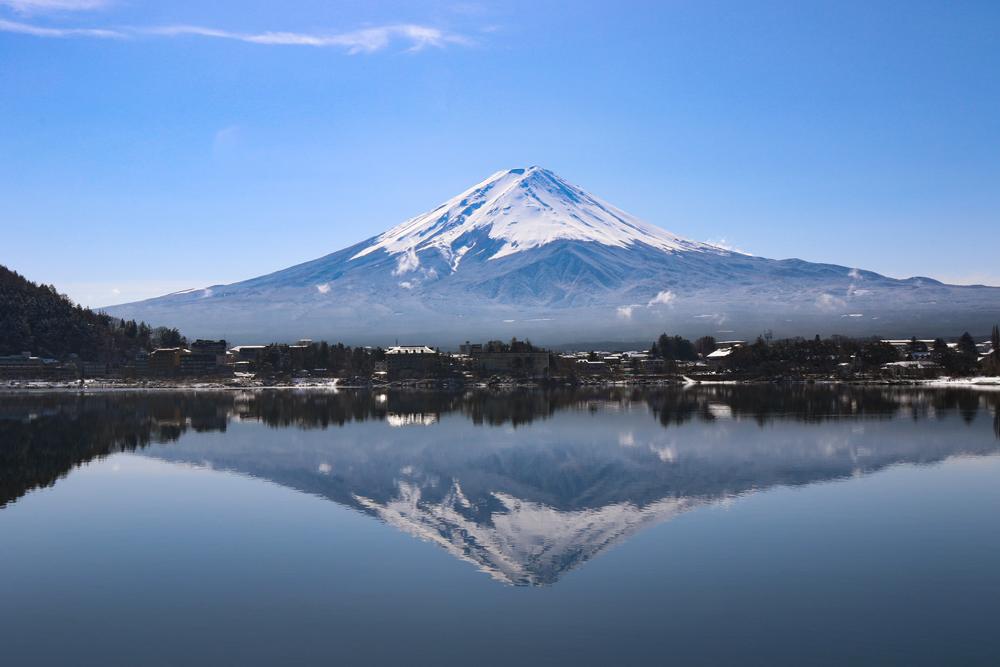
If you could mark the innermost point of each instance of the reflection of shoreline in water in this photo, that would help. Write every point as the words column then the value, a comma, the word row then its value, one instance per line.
column 524, row 505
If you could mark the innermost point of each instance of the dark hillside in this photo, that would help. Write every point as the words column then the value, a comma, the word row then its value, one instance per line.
column 36, row 318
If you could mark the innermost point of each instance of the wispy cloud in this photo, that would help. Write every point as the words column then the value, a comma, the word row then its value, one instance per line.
column 366, row 40
column 40, row 31
column 38, row 6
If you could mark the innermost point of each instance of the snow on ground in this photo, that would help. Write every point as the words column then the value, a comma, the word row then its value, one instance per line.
column 985, row 382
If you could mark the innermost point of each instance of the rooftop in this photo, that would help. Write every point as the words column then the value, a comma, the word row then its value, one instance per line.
column 410, row 349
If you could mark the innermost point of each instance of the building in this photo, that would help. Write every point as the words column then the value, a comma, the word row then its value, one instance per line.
column 519, row 358
column 531, row 364
column 25, row 365
column 196, row 363
column 166, row 360
column 723, row 350
column 206, row 356
column 247, row 352
column 590, row 367
column 245, row 357
column 411, row 362
column 911, row 348
column 912, row 370
column 216, row 347
column 93, row 369
column 718, row 357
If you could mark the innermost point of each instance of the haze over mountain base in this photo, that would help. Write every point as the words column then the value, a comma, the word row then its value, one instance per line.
column 524, row 253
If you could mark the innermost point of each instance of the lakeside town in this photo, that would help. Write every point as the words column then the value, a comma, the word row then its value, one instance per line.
column 48, row 341
column 668, row 360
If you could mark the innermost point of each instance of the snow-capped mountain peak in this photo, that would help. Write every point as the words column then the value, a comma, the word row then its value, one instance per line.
column 523, row 208
column 525, row 253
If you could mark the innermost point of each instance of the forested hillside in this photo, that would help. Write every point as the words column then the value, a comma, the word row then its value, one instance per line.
column 36, row 318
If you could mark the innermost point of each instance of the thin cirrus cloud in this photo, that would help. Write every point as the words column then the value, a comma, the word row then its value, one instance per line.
column 365, row 40
column 41, row 31
column 38, row 6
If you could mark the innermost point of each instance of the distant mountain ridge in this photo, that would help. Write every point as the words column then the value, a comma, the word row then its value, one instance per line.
column 526, row 253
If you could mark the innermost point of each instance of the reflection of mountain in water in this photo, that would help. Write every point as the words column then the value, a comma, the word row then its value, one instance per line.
column 522, row 542
column 525, row 505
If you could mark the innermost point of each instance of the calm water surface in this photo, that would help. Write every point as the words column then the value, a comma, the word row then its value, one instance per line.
column 712, row 525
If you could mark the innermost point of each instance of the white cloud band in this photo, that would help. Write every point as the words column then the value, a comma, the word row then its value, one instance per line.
column 366, row 40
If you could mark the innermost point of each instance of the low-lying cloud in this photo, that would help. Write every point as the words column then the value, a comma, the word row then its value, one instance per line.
column 625, row 312
column 661, row 299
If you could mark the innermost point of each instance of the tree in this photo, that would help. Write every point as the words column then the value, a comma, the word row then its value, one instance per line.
column 705, row 345
column 965, row 360
column 167, row 337
column 995, row 342
column 967, row 346
column 38, row 319
column 674, row 348
column 876, row 354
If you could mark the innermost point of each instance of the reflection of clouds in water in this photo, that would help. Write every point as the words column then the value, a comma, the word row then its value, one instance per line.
column 666, row 453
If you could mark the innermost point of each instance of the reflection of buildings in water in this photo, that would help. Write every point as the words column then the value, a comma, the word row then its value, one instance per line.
column 410, row 419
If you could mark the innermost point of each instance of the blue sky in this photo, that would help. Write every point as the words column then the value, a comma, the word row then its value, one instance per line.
column 151, row 146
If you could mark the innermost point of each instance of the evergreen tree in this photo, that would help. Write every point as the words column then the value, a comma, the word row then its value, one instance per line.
column 674, row 348
column 167, row 337
column 705, row 345
column 36, row 318
column 967, row 346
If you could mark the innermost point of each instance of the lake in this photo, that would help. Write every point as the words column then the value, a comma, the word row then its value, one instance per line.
column 795, row 525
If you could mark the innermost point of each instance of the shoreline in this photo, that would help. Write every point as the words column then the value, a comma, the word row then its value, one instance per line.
column 979, row 383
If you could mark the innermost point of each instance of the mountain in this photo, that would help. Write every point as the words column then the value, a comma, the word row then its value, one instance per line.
column 525, row 253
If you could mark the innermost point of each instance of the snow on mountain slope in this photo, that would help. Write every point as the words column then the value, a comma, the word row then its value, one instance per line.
column 523, row 208
column 525, row 543
column 526, row 253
